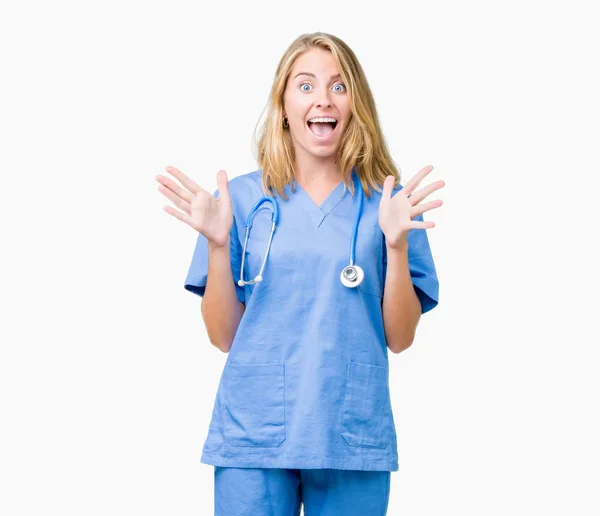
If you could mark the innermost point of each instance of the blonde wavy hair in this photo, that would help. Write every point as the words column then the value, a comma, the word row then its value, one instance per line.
column 362, row 146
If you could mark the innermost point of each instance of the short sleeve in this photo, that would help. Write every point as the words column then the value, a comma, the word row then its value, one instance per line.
column 195, row 280
column 421, row 267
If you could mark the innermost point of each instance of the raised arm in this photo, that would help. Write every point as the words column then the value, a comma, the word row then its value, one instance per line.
column 210, row 274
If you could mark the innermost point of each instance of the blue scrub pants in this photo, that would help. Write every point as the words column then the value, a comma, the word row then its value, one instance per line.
column 281, row 492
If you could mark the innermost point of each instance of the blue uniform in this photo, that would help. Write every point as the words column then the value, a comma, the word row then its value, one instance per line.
column 306, row 381
column 282, row 492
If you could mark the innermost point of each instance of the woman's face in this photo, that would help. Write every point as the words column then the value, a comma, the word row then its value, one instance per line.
column 314, row 90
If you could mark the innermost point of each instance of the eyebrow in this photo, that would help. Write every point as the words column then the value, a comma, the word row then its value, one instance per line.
column 336, row 76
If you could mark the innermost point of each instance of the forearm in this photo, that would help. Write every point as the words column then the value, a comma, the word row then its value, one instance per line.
column 401, row 306
column 221, row 309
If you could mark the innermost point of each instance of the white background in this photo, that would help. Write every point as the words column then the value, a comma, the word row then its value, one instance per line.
column 107, row 378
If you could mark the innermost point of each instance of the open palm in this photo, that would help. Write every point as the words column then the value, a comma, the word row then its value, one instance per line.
column 396, row 213
column 210, row 216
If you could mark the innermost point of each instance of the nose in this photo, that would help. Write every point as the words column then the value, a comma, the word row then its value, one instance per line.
column 324, row 99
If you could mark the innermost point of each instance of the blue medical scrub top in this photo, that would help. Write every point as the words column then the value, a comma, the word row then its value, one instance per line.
column 306, row 381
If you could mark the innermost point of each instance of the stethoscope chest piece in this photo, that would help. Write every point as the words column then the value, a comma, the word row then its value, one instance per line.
column 352, row 276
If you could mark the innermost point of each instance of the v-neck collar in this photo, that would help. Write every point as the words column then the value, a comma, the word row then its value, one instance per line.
column 315, row 212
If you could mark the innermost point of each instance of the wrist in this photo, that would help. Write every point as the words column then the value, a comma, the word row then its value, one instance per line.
column 399, row 247
column 215, row 247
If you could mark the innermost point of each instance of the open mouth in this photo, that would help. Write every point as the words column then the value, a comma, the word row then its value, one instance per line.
column 322, row 127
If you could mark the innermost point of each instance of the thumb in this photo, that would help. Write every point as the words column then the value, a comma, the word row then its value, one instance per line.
column 223, row 184
column 388, row 187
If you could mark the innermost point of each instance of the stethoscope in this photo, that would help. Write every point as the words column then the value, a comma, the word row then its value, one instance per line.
column 351, row 276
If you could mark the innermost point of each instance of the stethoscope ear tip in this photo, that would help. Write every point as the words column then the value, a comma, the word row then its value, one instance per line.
column 258, row 278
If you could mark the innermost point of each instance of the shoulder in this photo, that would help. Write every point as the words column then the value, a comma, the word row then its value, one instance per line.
column 245, row 184
column 240, row 184
column 244, row 190
column 247, row 179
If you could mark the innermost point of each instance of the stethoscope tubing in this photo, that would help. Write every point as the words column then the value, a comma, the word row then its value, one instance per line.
column 356, row 220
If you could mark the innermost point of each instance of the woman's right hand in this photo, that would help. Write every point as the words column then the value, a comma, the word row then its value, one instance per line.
column 213, row 217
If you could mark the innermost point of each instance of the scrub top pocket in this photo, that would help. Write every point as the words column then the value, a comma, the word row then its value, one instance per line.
column 367, row 413
column 371, row 285
column 254, row 404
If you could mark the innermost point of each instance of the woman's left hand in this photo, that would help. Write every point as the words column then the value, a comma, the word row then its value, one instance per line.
column 396, row 213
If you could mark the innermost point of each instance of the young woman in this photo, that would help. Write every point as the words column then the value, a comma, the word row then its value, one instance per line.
column 310, row 269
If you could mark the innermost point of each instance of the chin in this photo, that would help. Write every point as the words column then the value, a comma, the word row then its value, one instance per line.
column 323, row 153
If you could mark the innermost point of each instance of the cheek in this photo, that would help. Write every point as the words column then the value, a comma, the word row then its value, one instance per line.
column 296, row 105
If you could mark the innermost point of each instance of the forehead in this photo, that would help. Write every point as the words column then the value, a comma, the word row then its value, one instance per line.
column 316, row 61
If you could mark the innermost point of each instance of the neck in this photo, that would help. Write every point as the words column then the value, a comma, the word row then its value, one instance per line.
column 313, row 170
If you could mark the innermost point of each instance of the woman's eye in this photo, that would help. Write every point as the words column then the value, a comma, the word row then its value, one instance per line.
column 341, row 85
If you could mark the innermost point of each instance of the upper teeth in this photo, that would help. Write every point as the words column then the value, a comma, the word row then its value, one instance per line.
column 317, row 120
